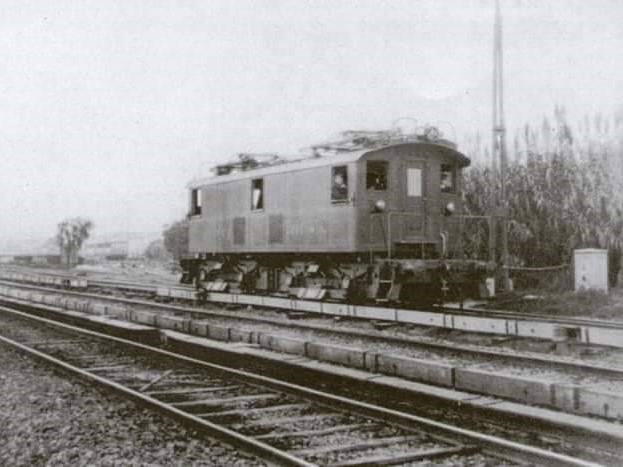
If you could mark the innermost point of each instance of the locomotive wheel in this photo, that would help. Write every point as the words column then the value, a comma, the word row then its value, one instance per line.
column 419, row 294
column 247, row 284
column 357, row 292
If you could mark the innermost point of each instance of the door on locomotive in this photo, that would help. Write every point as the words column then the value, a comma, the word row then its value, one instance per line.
column 414, row 201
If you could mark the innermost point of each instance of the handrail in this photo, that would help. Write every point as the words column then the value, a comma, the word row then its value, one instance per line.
column 387, row 235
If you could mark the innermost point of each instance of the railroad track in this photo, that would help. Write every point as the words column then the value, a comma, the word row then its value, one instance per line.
column 452, row 349
column 284, row 423
column 605, row 442
column 147, row 290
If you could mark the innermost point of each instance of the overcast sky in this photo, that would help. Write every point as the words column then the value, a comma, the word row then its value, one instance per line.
column 108, row 108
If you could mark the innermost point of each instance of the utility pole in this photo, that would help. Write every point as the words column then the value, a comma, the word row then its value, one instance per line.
column 499, row 146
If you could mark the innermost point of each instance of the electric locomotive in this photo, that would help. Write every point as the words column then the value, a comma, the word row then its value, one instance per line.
column 376, row 221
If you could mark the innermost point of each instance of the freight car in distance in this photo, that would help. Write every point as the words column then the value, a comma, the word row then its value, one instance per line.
column 382, row 223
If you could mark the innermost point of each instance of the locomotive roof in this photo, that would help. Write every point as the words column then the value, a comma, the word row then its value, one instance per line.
column 316, row 161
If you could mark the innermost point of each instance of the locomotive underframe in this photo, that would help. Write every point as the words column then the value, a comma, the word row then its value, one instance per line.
column 354, row 278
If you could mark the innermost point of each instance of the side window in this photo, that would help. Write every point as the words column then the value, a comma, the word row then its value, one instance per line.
column 195, row 202
column 257, row 194
column 339, row 183
column 376, row 175
column 447, row 183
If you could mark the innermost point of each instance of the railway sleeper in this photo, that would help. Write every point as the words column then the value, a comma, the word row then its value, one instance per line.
column 430, row 454
column 357, row 446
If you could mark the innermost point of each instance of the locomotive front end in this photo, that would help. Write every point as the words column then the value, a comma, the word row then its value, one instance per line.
column 413, row 225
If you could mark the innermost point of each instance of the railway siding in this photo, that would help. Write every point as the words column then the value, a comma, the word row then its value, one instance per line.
column 281, row 421
column 544, row 390
column 596, row 335
column 530, row 328
column 604, row 430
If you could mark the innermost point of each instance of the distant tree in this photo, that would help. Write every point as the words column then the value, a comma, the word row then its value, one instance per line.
column 176, row 238
column 70, row 236
column 156, row 250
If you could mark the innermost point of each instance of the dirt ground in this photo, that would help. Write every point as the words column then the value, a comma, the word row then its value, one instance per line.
column 590, row 304
column 132, row 270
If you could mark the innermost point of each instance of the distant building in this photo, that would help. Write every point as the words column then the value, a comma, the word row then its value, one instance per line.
column 28, row 259
column 31, row 252
column 105, row 250
column 117, row 246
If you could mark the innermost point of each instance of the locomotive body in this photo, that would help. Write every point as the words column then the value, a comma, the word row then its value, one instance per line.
column 362, row 225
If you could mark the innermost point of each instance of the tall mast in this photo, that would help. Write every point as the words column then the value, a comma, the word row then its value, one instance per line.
column 499, row 144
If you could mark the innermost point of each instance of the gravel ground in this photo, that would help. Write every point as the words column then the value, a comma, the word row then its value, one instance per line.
column 46, row 419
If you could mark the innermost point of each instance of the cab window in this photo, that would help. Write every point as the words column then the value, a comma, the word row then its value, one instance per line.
column 414, row 182
column 447, row 183
column 339, row 184
column 195, row 202
column 376, row 175
column 257, row 194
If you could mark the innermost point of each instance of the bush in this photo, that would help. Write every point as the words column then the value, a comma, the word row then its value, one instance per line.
column 563, row 194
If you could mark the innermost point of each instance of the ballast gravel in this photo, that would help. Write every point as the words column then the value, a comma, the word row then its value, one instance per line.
column 47, row 419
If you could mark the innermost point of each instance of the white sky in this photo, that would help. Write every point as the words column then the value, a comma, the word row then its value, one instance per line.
column 109, row 107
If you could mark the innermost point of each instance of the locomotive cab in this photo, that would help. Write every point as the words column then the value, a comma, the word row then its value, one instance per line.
column 410, row 192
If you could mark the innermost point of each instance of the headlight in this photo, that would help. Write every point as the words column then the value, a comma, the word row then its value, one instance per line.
column 379, row 205
column 450, row 208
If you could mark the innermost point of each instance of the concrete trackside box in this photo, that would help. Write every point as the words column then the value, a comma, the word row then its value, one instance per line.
column 591, row 269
